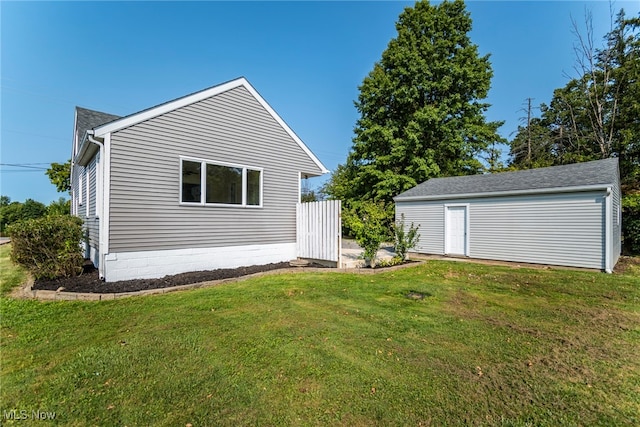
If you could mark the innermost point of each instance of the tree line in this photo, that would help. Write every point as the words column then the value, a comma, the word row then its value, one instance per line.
column 596, row 114
column 13, row 211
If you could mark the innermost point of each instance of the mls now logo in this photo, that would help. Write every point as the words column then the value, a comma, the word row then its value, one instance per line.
column 23, row 414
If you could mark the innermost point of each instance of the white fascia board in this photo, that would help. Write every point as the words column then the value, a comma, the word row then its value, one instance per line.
column 553, row 190
column 75, row 134
column 166, row 107
column 80, row 157
column 199, row 96
column 86, row 151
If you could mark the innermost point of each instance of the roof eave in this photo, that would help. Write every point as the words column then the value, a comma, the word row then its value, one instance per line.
column 87, row 150
column 552, row 190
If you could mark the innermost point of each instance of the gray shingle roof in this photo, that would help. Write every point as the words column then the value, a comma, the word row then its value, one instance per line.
column 598, row 172
column 88, row 119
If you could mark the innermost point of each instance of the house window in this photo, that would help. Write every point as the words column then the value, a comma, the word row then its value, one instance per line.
column 224, row 185
column 191, row 181
column 254, row 178
column 206, row 182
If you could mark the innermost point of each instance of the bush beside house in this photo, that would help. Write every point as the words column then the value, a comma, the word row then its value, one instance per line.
column 48, row 247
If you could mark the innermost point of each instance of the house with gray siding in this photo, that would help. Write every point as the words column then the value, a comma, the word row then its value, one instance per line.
column 206, row 181
column 567, row 215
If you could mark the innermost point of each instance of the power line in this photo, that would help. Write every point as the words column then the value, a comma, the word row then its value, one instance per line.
column 29, row 170
column 23, row 167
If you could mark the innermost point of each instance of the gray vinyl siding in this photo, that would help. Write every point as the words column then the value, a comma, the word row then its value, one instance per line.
column 429, row 217
column 566, row 229
column 79, row 193
column 231, row 127
column 562, row 229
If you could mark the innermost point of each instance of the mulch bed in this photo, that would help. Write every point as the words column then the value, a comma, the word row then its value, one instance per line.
column 89, row 281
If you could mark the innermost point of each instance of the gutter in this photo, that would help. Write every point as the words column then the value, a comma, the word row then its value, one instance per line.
column 101, row 232
column 553, row 190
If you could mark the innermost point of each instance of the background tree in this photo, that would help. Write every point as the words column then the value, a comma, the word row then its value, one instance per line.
column 421, row 114
column 32, row 209
column 596, row 114
column 61, row 206
column 60, row 175
column 624, row 42
column 12, row 212
column 9, row 213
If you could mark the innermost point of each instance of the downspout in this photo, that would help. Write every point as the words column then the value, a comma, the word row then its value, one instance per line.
column 608, row 231
column 101, row 245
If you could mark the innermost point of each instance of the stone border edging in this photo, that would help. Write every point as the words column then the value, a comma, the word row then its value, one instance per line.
column 27, row 292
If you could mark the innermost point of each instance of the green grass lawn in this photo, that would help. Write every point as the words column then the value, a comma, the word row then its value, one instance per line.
column 486, row 346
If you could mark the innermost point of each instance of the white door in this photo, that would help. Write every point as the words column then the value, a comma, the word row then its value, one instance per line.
column 456, row 230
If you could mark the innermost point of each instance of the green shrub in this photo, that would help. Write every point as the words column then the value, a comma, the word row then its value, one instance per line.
column 48, row 247
column 367, row 221
column 404, row 241
column 631, row 223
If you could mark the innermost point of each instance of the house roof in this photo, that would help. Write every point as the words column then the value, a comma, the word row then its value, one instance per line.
column 130, row 120
column 583, row 176
column 88, row 119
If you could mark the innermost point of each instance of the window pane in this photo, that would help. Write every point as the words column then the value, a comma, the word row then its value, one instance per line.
column 191, row 181
column 253, row 187
column 224, row 185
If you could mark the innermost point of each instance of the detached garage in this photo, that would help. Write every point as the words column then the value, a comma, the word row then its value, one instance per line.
column 562, row 215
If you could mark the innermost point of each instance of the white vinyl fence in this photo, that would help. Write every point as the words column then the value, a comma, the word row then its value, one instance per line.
column 319, row 230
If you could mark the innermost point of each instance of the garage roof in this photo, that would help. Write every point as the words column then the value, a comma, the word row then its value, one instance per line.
column 574, row 177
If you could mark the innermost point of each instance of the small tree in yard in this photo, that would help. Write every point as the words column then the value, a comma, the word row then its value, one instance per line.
column 48, row 247
column 367, row 222
column 404, row 241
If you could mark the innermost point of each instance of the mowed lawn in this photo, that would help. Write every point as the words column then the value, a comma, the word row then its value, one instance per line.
column 486, row 346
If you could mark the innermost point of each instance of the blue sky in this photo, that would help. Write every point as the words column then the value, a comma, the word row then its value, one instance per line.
column 306, row 59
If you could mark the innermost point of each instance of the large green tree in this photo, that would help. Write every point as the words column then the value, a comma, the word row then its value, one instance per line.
column 421, row 109
column 60, row 175
column 624, row 42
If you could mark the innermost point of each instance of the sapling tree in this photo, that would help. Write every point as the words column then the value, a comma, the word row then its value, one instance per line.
column 404, row 239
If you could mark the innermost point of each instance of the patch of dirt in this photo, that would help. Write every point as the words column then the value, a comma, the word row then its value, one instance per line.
column 627, row 264
column 89, row 281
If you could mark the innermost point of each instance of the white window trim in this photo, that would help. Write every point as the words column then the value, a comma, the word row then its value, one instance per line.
column 203, row 180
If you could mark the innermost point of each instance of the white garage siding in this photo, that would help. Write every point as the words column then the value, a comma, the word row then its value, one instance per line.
column 557, row 229
column 429, row 216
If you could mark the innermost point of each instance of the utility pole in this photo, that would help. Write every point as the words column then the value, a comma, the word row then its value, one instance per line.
column 529, row 132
